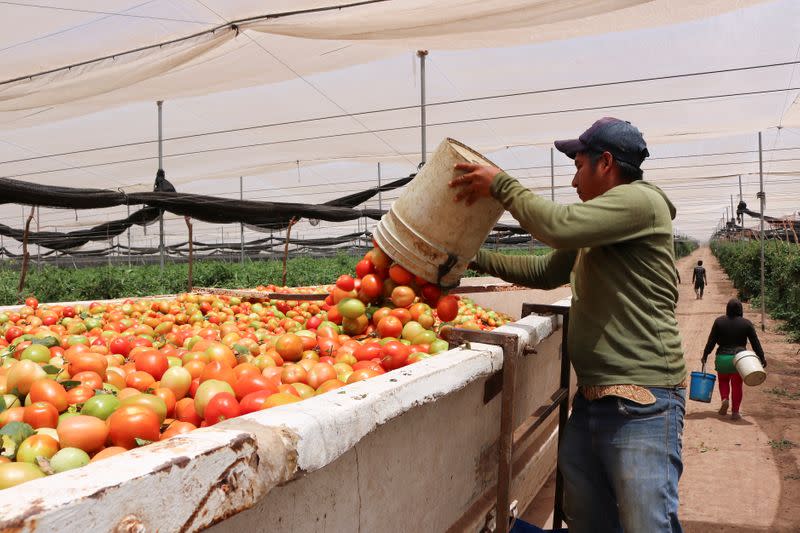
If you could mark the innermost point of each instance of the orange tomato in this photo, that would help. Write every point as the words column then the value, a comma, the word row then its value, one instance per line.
column 82, row 431
column 140, row 381
column 48, row 390
column 131, row 422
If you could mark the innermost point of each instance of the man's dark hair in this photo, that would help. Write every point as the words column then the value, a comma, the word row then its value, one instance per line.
column 627, row 172
column 699, row 262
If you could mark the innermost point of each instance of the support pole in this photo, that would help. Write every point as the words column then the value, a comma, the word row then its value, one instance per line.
column 25, row 254
column 129, row 236
column 423, row 124
column 160, row 166
column 286, row 249
column 38, row 248
column 740, row 187
column 241, row 224
column 762, row 197
column 191, row 253
column 733, row 211
column 380, row 194
column 552, row 178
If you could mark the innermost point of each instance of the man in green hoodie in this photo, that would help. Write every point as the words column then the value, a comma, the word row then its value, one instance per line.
column 621, row 453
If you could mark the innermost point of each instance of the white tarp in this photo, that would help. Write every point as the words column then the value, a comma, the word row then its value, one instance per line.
column 305, row 106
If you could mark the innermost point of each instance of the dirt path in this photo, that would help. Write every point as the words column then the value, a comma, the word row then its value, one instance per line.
column 744, row 475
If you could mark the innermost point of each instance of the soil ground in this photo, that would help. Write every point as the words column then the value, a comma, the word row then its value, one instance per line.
column 739, row 476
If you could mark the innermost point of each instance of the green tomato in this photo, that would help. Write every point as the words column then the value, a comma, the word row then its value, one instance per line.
column 207, row 390
column 3, row 318
column 92, row 323
column 174, row 361
column 36, row 446
column 12, row 474
column 101, row 406
column 438, row 346
column 411, row 330
column 72, row 340
column 68, row 458
column 426, row 337
column 37, row 353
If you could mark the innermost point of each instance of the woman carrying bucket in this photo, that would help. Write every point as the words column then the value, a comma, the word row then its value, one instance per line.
column 731, row 332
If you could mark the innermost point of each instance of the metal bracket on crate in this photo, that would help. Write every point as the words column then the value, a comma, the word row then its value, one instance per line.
column 511, row 352
column 560, row 398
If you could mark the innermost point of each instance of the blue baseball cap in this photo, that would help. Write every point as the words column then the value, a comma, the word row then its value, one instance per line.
column 620, row 138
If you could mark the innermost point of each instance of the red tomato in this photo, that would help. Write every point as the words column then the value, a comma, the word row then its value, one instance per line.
column 395, row 354
column 345, row 283
column 252, row 383
column 390, row 326
column 153, row 362
column 130, row 422
column 431, row 293
column 120, row 345
column 255, row 401
column 447, row 308
column 364, row 267
column 221, row 407
column 32, row 302
column 367, row 352
column 41, row 415
column 371, row 286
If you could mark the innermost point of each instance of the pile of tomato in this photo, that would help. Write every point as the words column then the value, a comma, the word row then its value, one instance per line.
column 82, row 383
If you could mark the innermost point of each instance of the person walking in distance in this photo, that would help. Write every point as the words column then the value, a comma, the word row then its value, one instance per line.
column 731, row 332
column 699, row 279
column 621, row 453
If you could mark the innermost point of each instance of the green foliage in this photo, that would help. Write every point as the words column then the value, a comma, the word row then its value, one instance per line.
column 742, row 263
column 53, row 284
column 684, row 246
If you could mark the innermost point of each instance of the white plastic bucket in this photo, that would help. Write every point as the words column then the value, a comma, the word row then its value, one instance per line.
column 749, row 367
column 426, row 231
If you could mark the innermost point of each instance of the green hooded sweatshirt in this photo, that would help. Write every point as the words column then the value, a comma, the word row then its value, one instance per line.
column 616, row 251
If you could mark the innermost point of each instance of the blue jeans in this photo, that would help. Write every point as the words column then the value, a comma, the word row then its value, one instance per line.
column 621, row 462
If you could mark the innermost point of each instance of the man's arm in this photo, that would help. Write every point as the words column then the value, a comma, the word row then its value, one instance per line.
column 539, row 272
column 705, row 278
column 621, row 214
column 618, row 215
column 694, row 276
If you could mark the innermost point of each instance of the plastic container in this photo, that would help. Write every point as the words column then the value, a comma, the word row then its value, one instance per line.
column 749, row 367
column 701, row 386
column 429, row 234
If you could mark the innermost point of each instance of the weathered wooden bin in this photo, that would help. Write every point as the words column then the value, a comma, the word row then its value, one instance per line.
column 411, row 450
